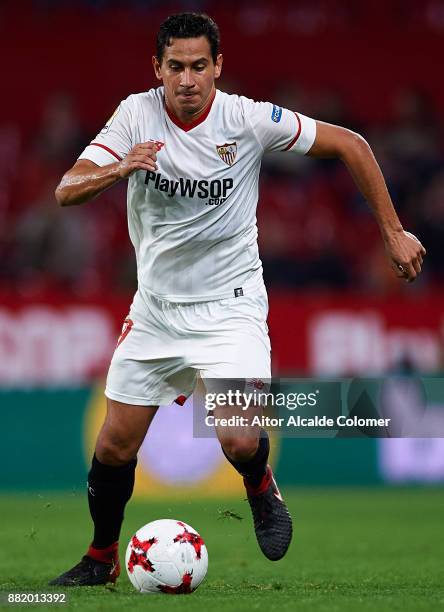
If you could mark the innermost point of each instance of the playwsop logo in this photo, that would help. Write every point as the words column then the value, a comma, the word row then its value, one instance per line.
column 276, row 113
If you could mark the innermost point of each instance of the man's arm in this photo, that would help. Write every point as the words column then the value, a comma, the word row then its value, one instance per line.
column 404, row 249
column 86, row 180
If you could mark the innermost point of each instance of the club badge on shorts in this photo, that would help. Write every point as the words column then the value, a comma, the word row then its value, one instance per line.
column 227, row 152
column 127, row 327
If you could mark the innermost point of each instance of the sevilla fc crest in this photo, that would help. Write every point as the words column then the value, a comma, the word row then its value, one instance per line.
column 227, row 152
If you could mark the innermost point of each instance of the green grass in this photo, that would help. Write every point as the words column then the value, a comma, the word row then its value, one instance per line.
column 352, row 550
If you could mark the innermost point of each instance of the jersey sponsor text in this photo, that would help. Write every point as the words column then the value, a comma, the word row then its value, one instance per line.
column 217, row 190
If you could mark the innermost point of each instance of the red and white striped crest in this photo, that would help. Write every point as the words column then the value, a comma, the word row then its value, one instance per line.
column 227, row 152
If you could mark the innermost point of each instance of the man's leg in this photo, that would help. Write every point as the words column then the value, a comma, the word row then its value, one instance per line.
column 247, row 449
column 110, row 486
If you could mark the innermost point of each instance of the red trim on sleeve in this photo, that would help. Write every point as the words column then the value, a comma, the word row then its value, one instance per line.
column 97, row 144
column 298, row 133
column 186, row 127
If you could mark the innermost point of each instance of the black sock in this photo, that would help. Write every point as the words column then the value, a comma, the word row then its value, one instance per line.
column 254, row 469
column 109, row 489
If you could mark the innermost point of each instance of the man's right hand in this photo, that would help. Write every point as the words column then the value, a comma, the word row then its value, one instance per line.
column 86, row 180
column 141, row 157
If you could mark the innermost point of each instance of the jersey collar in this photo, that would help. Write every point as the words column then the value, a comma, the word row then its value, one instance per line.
column 186, row 127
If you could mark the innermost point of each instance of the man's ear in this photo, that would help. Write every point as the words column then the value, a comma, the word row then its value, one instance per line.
column 218, row 66
column 156, row 67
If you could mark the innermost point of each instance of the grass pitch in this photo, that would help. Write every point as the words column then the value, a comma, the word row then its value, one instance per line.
column 353, row 550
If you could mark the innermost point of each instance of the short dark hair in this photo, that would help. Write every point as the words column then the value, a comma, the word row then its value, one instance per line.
column 188, row 25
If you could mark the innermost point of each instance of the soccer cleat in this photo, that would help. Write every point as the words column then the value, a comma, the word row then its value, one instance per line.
column 91, row 572
column 272, row 521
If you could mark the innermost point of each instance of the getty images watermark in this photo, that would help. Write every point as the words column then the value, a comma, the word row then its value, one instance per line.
column 396, row 406
column 244, row 399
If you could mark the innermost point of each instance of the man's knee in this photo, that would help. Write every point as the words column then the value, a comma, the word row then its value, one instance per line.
column 114, row 450
column 240, row 449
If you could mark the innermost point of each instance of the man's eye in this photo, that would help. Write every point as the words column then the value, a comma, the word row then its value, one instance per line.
column 200, row 68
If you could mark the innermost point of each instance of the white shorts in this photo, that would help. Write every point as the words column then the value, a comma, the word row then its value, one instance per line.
column 165, row 345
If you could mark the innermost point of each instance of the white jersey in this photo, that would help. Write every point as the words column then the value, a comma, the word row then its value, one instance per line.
column 193, row 222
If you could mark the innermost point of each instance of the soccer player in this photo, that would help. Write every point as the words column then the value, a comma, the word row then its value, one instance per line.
column 192, row 156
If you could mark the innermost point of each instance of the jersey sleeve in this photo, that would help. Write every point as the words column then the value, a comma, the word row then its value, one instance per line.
column 279, row 129
column 114, row 140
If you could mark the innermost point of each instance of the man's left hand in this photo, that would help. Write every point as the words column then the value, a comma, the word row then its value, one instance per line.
column 406, row 254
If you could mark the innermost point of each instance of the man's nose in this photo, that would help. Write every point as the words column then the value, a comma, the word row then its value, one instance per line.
column 187, row 79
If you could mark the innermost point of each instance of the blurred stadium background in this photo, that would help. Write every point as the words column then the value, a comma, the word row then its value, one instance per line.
column 67, row 276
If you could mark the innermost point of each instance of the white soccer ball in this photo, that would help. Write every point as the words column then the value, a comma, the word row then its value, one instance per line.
column 166, row 556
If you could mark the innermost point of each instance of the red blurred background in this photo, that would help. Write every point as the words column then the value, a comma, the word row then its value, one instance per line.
column 67, row 276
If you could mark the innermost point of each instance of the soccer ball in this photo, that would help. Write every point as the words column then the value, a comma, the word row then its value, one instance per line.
column 166, row 556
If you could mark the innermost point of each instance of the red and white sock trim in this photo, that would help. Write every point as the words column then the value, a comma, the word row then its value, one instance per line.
column 104, row 555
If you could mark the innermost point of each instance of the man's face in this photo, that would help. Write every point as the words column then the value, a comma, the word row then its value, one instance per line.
column 188, row 73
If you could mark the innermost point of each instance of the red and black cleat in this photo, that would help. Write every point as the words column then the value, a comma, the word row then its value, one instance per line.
column 272, row 521
column 98, row 566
